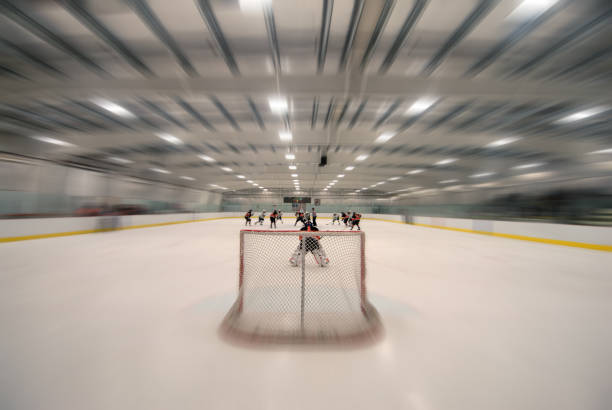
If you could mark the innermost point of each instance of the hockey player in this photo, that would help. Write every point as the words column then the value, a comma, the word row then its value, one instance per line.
column 247, row 217
column 355, row 220
column 261, row 218
column 335, row 218
column 273, row 216
column 314, row 217
column 345, row 218
column 279, row 217
column 299, row 217
column 306, row 217
column 312, row 245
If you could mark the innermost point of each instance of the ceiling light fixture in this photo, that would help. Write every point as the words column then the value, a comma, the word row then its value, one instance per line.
column 448, row 181
column 169, row 138
column 53, row 141
column 226, row 169
column 278, row 105
column 482, row 175
column 384, row 137
column 581, row 115
column 206, row 158
column 349, row 168
column 503, row 141
column 527, row 166
column 361, row 157
column 160, row 170
column 292, row 167
column 289, row 156
column 114, row 108
column 340, row 175
column 421, row 105
column 446, row 161
column 602, row 151
column 285, row 135
column 187, row 178
column 240, row 176
column 393, row 178
column 119, row 160
column 414, row 171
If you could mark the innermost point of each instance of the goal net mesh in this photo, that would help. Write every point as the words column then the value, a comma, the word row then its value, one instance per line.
column 297, row 286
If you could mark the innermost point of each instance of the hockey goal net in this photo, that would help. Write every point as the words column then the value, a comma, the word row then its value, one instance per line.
column 297, row 286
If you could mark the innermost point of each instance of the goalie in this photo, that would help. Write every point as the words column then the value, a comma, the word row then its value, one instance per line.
column 312, row 245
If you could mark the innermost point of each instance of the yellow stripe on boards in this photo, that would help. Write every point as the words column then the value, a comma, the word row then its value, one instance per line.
column 605, row 248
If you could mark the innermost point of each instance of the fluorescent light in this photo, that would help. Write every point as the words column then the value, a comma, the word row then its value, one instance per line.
column 446, row 161
column 393, row 178
column 187, row 178
column 602, row 151
column 503, row 141
column 373, row 185
column 421, row 105
column 261, row 187
column 119, row 160
column 160, row 170
column 361, row 157
column 380, row 183
column 581, row 115
column 482, row 175
column 364, row 189
column 294, row 175
column 535, row 175
column 292, row 167
column 448, row 181
column 53, row 141
column 206, row 158
column 255, row 184
column 169, row 138
column 289, row 156
column 414, row 171
column 349, row 168
column 226, row 169
column 250, row 6
column 240, row 176
column 249, row 181
column 340, row 175
column 278, row 105
column 334, row 181
column 324, row 189
column 295, row 180
column 285, row 135
column 530, row 8
column 526, row 166
column 384, row 137
column 112, row 107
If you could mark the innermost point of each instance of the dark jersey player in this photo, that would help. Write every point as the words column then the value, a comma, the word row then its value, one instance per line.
column 299, row 217
column 273, row 217
column 247, row 217
column 355, row 221
column 310, row 244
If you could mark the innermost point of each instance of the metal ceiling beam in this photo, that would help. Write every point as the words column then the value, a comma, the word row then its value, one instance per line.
column 272, row 37
column 162, row 113
column 454, row 112
column 315, row 113
column 98, row 113
column 69, row 115
column 55, row 123
column 194, row 113
column 9, row 71
column 480, row 11
column 148, row 17
column 574, row 34
column 256, row 114
column 350, row 35
column 383, row 18
column 32, row 58
column 518, row 34
column 229, row 117
column 308, row 86
column 328, row 7
column 357, row 114
column 414, row 118
column 594, row 58
column 210, row 19
column 387, row 113
column 330, row 112
column 398, row 43
column 78, row 11
column 343, row 112
column 486, row 112
column 40, row 31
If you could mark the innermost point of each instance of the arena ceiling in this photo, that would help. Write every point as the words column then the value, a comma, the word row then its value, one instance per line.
column 398, row 95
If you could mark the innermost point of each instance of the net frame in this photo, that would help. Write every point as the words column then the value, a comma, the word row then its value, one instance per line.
column 368, row 329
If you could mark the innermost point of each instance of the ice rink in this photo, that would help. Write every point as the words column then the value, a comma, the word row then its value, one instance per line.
column 129, row 320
